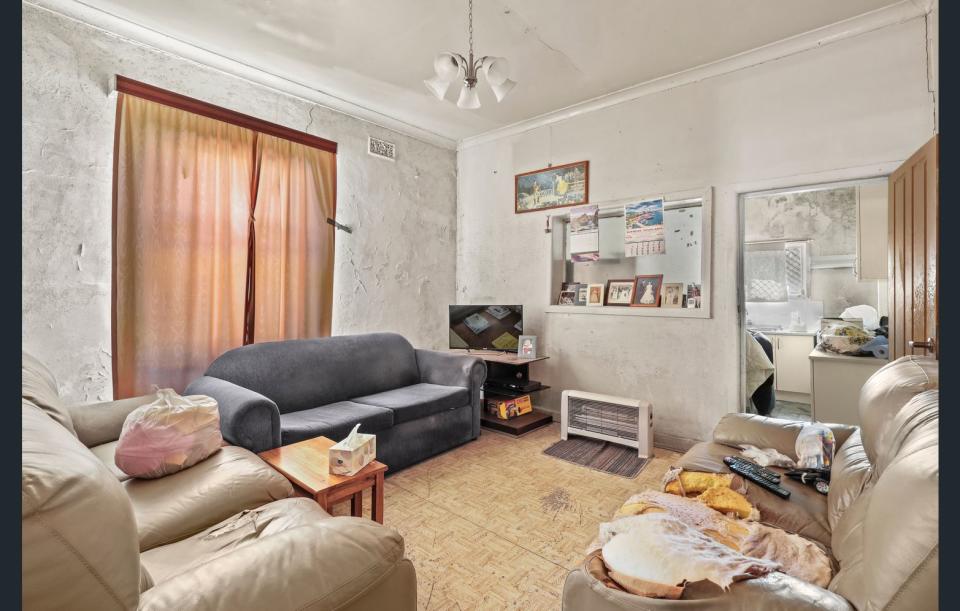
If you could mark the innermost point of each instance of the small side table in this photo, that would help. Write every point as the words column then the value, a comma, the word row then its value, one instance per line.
column 306, row 465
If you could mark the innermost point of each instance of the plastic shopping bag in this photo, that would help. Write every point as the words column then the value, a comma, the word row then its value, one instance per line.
column 168, row 435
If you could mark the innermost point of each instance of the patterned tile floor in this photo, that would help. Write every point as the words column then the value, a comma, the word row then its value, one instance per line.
column 496, row 524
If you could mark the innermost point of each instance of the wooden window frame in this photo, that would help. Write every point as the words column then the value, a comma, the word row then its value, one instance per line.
column 176, row 100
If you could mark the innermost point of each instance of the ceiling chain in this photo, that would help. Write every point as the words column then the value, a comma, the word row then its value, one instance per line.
column 470, row 19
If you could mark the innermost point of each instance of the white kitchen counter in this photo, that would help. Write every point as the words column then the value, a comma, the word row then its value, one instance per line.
column 836, row 380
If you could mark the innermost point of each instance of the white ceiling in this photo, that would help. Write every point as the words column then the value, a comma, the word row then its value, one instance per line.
column 375, row 53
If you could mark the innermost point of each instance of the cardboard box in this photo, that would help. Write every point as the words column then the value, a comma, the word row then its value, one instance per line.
column 505, row 409
column 348, row 457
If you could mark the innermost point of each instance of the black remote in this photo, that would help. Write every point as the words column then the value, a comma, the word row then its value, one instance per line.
column 751, row 472
column 771, row 476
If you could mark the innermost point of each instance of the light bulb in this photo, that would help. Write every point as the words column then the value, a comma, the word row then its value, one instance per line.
column 501, row 90
column 438, row 86
column 498, row 70
column 468, row 98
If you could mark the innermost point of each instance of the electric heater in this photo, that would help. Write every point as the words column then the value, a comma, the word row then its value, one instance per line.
column 627, row 422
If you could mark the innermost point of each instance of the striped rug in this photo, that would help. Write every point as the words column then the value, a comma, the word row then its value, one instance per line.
column 599, row 456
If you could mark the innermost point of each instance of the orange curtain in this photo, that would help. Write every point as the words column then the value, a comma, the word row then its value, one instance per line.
column 187, row 188
column 294, row 244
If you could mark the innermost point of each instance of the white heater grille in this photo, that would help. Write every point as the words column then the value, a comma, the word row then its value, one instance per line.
column 625, row 421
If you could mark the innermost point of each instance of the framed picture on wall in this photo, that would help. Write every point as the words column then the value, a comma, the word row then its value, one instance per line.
column 594, row 294
column 647, row 291
column 581, row 295
column 620, row 292
column 554, row 187
column 567, row 297
column 672, row 295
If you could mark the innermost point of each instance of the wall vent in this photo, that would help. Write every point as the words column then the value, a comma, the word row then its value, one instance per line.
column 382, row 148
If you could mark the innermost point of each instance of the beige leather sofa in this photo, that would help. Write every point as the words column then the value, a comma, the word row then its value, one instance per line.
column 224, row 534
column 879, row 521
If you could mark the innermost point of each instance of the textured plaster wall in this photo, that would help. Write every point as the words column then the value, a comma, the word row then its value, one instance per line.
column 858, row 103
column 395, row 272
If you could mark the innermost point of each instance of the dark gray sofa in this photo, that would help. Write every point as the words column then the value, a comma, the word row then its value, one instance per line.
column 417, row 402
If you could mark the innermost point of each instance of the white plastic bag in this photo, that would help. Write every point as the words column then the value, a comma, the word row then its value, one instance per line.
column 815, row 445
column 168, row 435
column 868, row 314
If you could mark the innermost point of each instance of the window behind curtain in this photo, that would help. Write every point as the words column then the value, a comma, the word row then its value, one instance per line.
column 189, row 283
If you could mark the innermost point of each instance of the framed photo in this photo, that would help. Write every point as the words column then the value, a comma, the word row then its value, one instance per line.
column 555, row 187
column 581, row 295
column 647, row 291
column 672, row 295
column 693, row 296
column 567, row 297
column 527, row 348
column 620, row 292
column 594, row 294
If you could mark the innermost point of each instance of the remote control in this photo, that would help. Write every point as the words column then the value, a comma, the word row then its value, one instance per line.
column 771, row 476
column 736, row 465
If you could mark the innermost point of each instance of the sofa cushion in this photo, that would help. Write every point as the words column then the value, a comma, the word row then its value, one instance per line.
column 333, row 421
column 885, row 393
column 174, row 507
column 418, row 400
column 38, row 386
column 805, row 513
column 849, row 477
column 105, row 452
column 79, row 539
column 300, row 374
column 239, row 529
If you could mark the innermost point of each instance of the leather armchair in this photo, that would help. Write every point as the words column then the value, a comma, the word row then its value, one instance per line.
column 879, row 521
column 224, row 534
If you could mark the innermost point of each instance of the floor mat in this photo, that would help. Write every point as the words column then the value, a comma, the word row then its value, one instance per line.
column 791, row 410
column 599, row 456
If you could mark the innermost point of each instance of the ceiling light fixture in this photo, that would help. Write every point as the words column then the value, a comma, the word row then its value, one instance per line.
column 450, row 66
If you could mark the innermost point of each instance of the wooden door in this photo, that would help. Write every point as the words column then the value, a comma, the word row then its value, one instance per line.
column 912, row 256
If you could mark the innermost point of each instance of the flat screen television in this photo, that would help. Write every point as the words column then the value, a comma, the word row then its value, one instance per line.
column 486, row 327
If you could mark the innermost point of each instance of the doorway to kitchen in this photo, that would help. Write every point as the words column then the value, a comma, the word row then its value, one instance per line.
column 813, row 264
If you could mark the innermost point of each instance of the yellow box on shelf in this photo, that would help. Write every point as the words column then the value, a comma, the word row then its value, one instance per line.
column 504, row 409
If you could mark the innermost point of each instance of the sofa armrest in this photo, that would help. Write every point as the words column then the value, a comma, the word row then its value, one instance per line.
column 773, row 592
column 450, row 369
column 247, row 418
column 340, row 563
column 764, row 432
column 98, row 423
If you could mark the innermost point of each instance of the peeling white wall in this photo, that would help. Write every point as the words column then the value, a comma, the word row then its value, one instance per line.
column 395, row 272
column 854, row 106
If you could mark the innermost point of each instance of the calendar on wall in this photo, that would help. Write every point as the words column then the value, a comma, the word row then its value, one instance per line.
column 643, row 228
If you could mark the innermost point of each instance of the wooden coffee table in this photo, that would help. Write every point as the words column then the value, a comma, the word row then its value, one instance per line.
column 306, row 465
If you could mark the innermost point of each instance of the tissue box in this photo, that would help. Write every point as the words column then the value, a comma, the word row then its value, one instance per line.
column 347, row 459
column 504, row 409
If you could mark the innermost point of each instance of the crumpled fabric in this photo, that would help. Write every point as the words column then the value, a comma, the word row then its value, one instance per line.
column 794, row 555
column 661, row 548
column 767, row 457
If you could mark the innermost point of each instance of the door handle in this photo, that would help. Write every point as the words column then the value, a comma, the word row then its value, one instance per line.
column 929, row 344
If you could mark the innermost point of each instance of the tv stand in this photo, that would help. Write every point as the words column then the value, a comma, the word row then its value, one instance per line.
column 508, row 366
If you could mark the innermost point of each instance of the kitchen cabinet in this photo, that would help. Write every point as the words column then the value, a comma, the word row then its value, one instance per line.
column 791, row 363
column 872, row 212
column 837, row 380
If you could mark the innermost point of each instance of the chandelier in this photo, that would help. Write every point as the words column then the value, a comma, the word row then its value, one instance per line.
column 450, row 66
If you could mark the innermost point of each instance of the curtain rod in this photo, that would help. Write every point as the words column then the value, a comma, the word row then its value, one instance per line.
column 157, row 95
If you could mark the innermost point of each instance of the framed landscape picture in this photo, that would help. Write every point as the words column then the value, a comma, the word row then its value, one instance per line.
column 556, row 187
